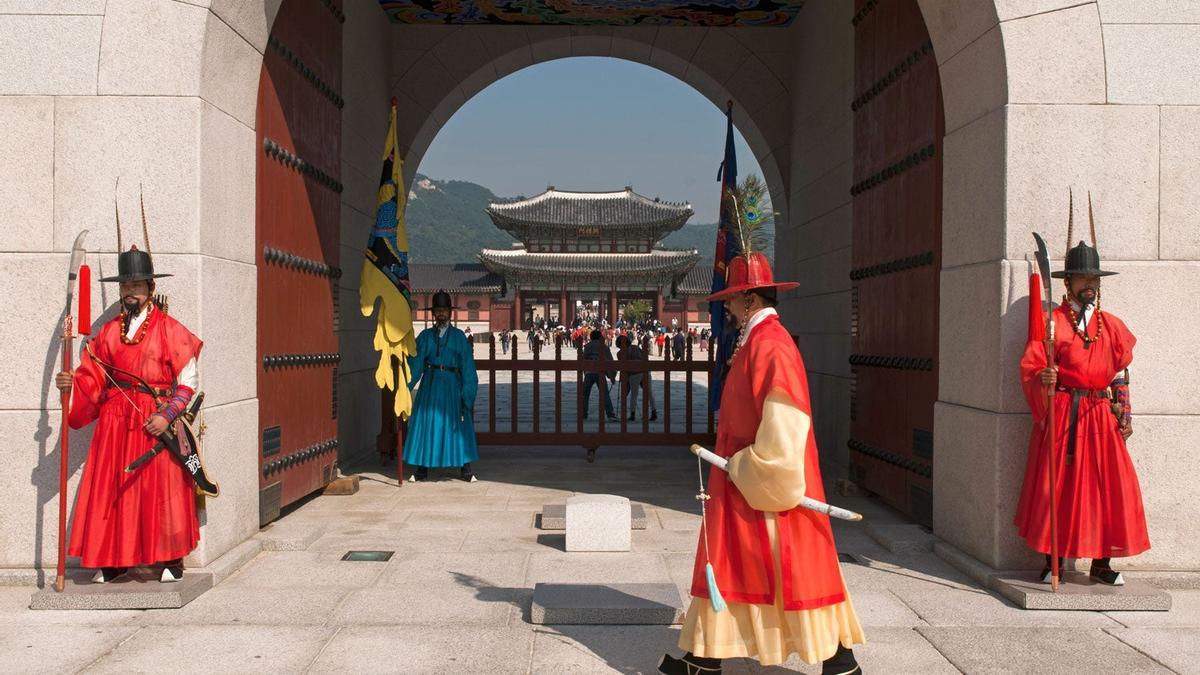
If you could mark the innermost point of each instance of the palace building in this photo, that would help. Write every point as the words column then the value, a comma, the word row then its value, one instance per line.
column 587, row 253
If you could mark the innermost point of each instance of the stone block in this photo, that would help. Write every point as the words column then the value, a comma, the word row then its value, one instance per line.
column 27, row 178
column 979, row 572
column 152, row 141
column 1055, row 57
column 73, row 7
column 824, row 194
column 1144, row 296
column 829, row 354
column 342, row 487
column 1149, row 11
column 421, row 649
column 228, row 366
column 152, row 48
column 231, row 455
column 548, row 43
column 554, row 517
column 634, row 43
column 43, row 649
column 598, row 523
column 252, row 20
column 232, row 560
column 227, row 184
column 427, row 82
column 822, row 273
column 954, row 25
column 974, row 81
column 49, row 55
column 230, row 70
column 1111, row 150
column 976, row 515
column 1149, row 63
column 591, row 41
column 1077, row 592
column 619, row 604
column 674, row 48
column 141, row 589
column 827, row 313
column 1008, row 10
column 1179, row 208
column 973, row 189
column 901, row 539
column 969, row 361
column 717, row 56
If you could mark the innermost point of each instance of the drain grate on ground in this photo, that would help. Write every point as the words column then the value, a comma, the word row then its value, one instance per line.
column 368, row 556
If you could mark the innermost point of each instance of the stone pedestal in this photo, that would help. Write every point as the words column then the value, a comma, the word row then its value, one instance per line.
column 140, row 589
column 554, row 517
column 1076, row 591
column 598, row 523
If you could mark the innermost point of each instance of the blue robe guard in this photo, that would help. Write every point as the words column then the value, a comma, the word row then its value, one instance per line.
column 441, row 431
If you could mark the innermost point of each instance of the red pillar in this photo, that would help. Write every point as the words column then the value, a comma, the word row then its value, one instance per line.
column 612, row 306
column 562, row 307
column 658, row 306
column 518, row 311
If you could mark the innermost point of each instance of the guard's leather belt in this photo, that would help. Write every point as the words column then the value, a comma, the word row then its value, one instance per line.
column 438, row 366
column 156, row 392
column 1076, row 395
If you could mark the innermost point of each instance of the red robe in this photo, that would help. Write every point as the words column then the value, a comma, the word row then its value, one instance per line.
column 148, row 516
column 737, row 533
column 1099, row 502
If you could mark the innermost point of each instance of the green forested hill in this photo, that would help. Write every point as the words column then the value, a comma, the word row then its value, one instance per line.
column 446, row 224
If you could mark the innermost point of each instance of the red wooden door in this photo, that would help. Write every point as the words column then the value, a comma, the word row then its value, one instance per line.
column 896, row 254
column 297, row 234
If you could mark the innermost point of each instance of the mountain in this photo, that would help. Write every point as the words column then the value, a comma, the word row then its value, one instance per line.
column 447, row 224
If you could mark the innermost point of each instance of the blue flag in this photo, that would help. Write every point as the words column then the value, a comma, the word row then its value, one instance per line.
column 724, row 336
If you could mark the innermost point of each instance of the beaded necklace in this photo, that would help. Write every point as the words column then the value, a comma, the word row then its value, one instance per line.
column 141, row 331
column 1082, row 332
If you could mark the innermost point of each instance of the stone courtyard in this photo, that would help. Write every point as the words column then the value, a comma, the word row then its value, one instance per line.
column 455, row 596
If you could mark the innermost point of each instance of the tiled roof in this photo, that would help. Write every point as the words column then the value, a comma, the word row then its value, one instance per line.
column 657, row 261
column 621, row 209
column 453, row 277
column 699, row 279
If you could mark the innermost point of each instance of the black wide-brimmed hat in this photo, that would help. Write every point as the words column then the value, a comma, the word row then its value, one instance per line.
column 441, row 300
column 134, row 265
column 1083, row 260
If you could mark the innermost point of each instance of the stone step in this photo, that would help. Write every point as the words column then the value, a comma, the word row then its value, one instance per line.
column 901, row 538
column 607, row 604
column 140, row 589
column 554, row 517
column 1077, row 591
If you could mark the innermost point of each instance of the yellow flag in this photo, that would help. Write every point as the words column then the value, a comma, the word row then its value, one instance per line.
column 385, row 277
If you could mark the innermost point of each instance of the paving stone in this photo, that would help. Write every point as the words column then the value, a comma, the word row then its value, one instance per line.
column 24, row 576
column 491, row 521
column 987, row 650
column 1175, row 648
column 57, row 649
column 421, row 649
column 880, row 608
column 426, row 604
column 233, row 560
column 939, row 606
column 666, row 541
column 554, row 517
column 598, row 523
column 901, row 538
column 406, row 539
column 235, row 649
column 248, row 606
column 566, row 568
column 288, row 535
column 140, row 589
column 306, row 569
column 1079, row 592
column 601, row 649
column 622, row 604
column 495, row 569
column 1185, row 612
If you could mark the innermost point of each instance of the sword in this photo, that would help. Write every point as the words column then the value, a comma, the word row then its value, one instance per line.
column 806, row 502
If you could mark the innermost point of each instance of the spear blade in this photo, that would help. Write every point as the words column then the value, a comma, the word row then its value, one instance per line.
column 1043, row 261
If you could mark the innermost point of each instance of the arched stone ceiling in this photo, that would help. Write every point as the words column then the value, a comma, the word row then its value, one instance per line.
column 591, row 13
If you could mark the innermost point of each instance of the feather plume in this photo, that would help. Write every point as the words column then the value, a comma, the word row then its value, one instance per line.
column 145, row 230
column 117, row 210
column 1070, row 219
column 750, row 205
column 1092, row 221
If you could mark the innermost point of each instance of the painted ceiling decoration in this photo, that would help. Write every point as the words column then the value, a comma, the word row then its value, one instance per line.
column 595, row 12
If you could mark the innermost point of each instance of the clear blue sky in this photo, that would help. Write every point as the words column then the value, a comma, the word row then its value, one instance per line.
column 589, row 124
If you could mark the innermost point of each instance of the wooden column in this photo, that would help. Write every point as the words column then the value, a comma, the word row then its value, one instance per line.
column 658, row 305
column 518, row 313
column 562, row 307
column 612, row 307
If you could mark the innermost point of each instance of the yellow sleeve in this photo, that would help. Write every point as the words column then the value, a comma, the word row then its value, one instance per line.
column 770, row 473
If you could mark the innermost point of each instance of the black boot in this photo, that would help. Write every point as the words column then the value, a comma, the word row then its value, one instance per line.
column 689, row 665
column 466, row 473
column 1103, row 572
column 841, row 663
column 172, row 571
column 1046, row 571
column 107, row 574
column 419, row 474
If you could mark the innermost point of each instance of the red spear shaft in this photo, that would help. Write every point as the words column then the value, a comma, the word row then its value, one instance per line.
column 77, row 255
column 1050, row 455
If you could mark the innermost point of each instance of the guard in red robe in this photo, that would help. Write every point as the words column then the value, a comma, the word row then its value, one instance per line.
column 775, row 563
column 1099, row 502
column 134, row 379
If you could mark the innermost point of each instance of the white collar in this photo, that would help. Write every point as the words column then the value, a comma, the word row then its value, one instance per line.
column 758, row 318
column 1086, row 316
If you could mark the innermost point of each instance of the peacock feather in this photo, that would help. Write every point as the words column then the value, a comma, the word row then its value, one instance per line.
column 750, row 207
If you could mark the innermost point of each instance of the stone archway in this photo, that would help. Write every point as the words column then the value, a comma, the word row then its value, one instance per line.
column 1037, row 95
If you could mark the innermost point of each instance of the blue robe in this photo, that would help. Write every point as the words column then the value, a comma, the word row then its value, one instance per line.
column 441, row 432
